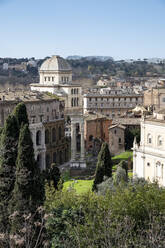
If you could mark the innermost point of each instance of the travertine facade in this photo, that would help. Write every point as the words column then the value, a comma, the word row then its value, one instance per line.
column 149, row 156
column 112, row 102
column 43, row 110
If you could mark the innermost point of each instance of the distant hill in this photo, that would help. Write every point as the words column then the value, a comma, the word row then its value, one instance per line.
column 89, row 58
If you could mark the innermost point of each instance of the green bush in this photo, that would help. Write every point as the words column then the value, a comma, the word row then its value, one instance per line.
column 123, row 217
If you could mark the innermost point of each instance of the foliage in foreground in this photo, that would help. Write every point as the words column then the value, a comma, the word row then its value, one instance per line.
column 132, row 215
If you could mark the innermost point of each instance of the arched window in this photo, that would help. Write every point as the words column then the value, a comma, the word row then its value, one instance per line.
column 149, row 139
column 53, row 135
column 47, row 161
column 38, row 138
column 46, row 136
column 60, row 133
column 72, row 102
column 39, row 160
column 72, row 91
column 160, row 141
column 77, row 91
column 77, row 101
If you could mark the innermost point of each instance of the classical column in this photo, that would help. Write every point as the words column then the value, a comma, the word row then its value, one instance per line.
column 73, row 141
column 82, row 140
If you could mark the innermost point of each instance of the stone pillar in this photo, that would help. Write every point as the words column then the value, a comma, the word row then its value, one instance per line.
column 73, row 141
column 82, row 156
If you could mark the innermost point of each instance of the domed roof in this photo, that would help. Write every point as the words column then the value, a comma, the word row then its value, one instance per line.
column 55, row 63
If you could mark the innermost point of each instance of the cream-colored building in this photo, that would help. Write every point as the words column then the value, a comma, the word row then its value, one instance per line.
column 155, row 97
column 149, row 156
column 56, row 78
column 112, row 102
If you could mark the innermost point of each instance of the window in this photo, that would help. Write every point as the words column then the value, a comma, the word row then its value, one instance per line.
column 53, row 135
column 41, row 118
column 160, row 141
column 46, row 136
column 38, row 138
column 45, row 79
column 47, row 161
column 39, row 160
column 52, row 79
column 47, row 118
column 48, row 78
column 60, row 133
column 119, row 141
column 47, row 109
column 163, row 100
column 72, row 102
column 90, row 137
column 90, row 99
column 149, row 138
column 33, row 119
column 148, row 164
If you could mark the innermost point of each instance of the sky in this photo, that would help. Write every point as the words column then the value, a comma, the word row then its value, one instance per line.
column 123, row 29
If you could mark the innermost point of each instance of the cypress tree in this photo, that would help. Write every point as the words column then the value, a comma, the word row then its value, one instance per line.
column 104, row 166
column 26, row 194
column 8, row 155
column 21, row 114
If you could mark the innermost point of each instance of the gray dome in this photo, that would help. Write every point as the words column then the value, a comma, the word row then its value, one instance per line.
column 55, row 63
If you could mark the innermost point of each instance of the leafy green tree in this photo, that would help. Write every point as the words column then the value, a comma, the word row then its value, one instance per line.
column 8, row 155
column 21, row 114
column 104, row 166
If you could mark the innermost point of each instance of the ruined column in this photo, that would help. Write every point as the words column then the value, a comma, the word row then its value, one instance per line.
column 73, row 141
column 82, row 156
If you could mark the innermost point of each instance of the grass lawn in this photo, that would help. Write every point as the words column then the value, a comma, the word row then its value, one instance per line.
column 83, row 186
column 80, row 186
column 124, row 155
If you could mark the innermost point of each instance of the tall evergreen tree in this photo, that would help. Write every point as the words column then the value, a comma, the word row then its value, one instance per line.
column 26, row 194
column 104, row 165
column 21, row 114
column 8, row 155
